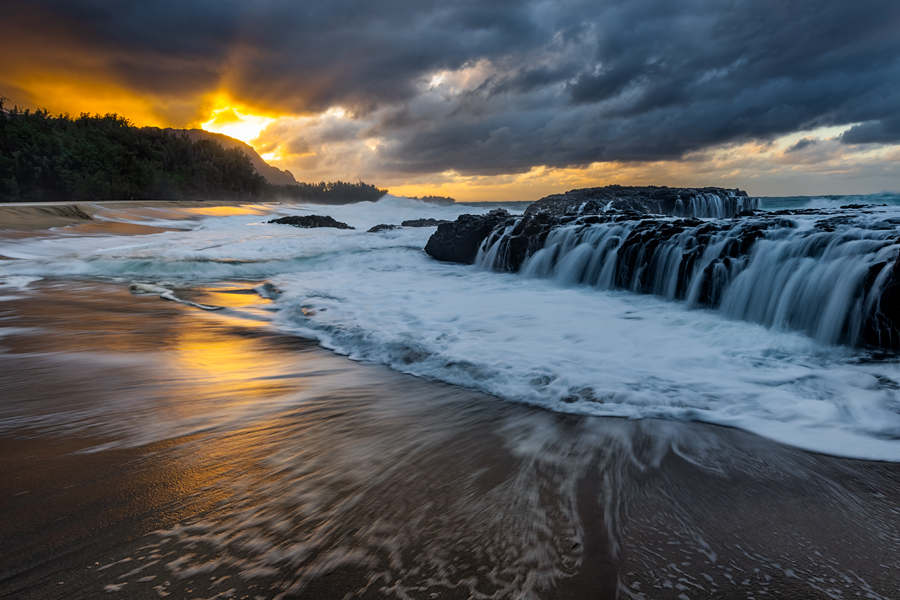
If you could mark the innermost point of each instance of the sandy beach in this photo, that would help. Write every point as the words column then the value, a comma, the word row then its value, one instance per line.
column 150, row 449
column 36, row 217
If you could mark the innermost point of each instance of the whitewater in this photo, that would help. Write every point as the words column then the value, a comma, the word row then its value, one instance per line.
column 531, row 337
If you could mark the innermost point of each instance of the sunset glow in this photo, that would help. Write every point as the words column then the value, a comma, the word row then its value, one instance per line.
column 236, row 124
column 543, row 299
column 514, row 107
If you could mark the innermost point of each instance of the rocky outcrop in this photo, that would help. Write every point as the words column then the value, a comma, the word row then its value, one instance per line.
column 882, row 326
column 459, row 241
column 660, row 200
column 382, row 227
column 641, row 247
column 424, row 222
column 833, row 274
column 310, row 221
column 409, row 223
column 588, row 206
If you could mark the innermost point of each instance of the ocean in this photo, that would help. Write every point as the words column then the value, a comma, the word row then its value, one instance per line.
column 770, row 360
column 196, row 403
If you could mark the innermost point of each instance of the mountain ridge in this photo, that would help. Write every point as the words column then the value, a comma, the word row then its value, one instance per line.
column 273, row 175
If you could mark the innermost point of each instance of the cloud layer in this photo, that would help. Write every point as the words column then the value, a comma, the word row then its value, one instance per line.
column 484, row 89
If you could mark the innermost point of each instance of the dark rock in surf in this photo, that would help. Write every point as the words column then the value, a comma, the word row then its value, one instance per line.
column 382, row 227
column 409, row 223
column 882, row 325
column 833, row 274
column 424, row 222
column 311, row 221
column 459, row 241
column 701, row 262
column 592, row 205
column 661, row 200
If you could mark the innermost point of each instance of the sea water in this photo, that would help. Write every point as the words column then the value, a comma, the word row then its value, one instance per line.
column 556, row 344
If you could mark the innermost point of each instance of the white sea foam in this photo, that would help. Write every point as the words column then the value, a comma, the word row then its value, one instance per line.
column 793, row 202
column 378, row 297
column 16, row 282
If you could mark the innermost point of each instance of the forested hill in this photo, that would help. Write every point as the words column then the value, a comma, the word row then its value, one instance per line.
column 46, row 158
column 274, row 175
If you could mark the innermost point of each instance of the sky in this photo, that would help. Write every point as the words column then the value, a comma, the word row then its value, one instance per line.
column 500, row 100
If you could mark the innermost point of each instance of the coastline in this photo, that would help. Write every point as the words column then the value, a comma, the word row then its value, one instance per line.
column 209, row 455
column 41, row 216
column 152, row 449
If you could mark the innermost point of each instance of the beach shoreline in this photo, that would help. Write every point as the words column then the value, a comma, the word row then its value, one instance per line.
column 34, row 216
column 151, row 448
column 210, row 454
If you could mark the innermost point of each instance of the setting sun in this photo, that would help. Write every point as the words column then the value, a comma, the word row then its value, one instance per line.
column 234, row 123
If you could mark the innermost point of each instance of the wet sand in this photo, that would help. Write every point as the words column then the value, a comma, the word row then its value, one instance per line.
column 150, row 449
column 31, row 217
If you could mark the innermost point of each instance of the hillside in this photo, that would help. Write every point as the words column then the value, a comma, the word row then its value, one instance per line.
column 93, row 157
column 273, row 175
column 46, row 158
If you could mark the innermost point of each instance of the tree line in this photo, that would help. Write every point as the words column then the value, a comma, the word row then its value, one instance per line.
column 331, row 192
column 46, row 158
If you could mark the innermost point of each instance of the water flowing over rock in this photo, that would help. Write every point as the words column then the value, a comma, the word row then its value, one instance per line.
column 382, row 227
column 679, row 202
column 459, row 241
column 833, row 274
column 310, row 221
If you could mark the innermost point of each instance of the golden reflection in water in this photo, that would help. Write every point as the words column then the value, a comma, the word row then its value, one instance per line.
column 136, row 212
column 228, row 211
column 95, row 368
column 240, row 295
column 227, row 363
column 163, row 369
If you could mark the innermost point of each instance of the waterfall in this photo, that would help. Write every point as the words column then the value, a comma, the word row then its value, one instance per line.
column 824, row 278
column 678, row 202
column 705, row 205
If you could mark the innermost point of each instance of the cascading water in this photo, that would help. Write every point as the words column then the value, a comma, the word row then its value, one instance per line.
column 704, row 205
column 553, row 343
column 824, row 277
column 678, row 202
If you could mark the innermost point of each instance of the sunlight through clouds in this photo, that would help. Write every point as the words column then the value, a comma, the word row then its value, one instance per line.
column 467, row 96
column 236, row 124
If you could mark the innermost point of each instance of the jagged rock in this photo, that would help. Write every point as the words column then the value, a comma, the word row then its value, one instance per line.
column 382, row 227
column 661, row 200
column 591, row 206
column 716, row 264
column 310, row 221
column 882, row 327
column 424, row 222
column 459, row 240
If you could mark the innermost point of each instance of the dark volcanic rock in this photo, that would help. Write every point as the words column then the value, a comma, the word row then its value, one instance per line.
column 529, row 234
column 459, row 241
column 882, row 327
column 831, row 273
column 310, row 221
column 681, row 202
column 424, row 222
column 383, row 227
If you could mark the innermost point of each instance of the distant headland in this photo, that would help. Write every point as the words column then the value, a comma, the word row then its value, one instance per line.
column 46, row 158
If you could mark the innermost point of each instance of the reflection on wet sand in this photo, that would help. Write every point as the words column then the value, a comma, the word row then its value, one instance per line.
column 194, row 454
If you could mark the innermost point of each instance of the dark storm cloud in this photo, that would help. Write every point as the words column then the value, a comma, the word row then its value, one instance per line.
column 801, row 144
column 884, row 131
column 560, row 83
